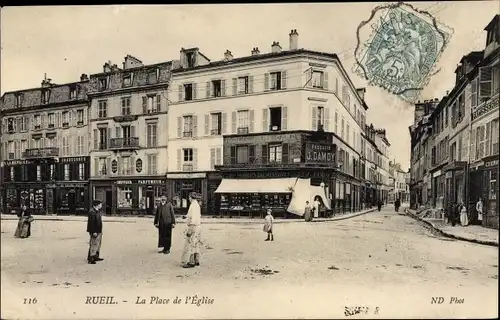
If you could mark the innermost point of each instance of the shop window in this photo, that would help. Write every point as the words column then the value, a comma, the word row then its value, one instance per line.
column 36, row 199
column 81, row 171
column 275, row 153
column 66, row 171
column 38, row 173
column 493, row 185
column 11, row 199
column 242, row 154
column 124, row 195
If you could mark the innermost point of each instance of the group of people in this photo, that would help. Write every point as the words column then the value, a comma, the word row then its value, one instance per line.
column 164, row 221
column 458, row 214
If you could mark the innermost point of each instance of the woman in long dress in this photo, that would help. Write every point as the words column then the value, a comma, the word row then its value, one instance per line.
column 464, row 219
column 23, row 229
column 192, row 242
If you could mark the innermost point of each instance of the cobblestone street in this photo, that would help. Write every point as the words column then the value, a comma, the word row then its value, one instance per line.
column 381, row 259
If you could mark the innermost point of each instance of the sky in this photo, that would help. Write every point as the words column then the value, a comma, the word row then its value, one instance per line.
column 66, row 41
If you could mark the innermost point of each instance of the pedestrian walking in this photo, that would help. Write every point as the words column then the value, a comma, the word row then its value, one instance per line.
column 379, row 205
column 397, row 204
column 307, row 212
column 192, row 243
column 479, row 209
column 268, row 225
column 23, row 229
column 464, row 219
column 165, row 222
column 94, row 228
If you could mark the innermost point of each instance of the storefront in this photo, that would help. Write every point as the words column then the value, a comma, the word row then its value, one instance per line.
column 490, row 178
column 34, row 196
column 133, row 196
column 438, row 189
column 70, row 198
column 454, row 183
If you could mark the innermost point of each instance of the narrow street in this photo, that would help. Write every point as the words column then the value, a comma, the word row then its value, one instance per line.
column 382, row 260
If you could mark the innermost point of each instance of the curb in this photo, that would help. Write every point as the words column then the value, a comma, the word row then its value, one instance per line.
column 208, row 221
column 452, row 236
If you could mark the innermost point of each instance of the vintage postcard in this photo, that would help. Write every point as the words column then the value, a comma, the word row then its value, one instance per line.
column 254, row 161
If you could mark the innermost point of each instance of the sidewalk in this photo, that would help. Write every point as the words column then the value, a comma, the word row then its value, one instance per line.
column 471, row 233
column 204, row 219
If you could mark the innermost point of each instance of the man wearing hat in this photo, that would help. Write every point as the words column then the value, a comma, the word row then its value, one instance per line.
column 165, row 222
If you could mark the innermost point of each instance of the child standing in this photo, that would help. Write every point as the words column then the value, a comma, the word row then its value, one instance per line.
column 268, row 225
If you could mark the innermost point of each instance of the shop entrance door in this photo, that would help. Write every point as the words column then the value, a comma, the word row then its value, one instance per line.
column 150, row 202
column 72, row 202
column 185, row 200
column 109, row 201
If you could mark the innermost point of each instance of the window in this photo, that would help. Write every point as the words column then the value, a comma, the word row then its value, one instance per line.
column 275, row 153
column 125, row 106
column 45, row 96
column 19, row 100
column 72, row 92
column 81, row 171
column 243, row 85
column 103, row 138
column 453, row 151
column 52, row 172
column 188, row 126
column 38, row 173
column 152, row 76
column 342, row 129
column 152, row 163
column 102, row 167
column 66, row 171
column 65, row 146
column 124, row 195
column 188, row 160
column 216, row 88
column 494, row 137
column 80, row 150
column 317, row 79
column 242, row 154
column 103, row 83
column 190, row 58
column 79, row 117
column 38, row 122
column 52, row 120
column 188, row 92
column 65, row 119
column 23, row 123
column 127, row 80
column 216, row 122
column 336, row 122
column 275, row 81
column 152, row 104
column 126, row 166
column 243, row 117
column 102, row 109
column 12, row 173
column 347, row 133
column 152, row 140
column 11, row 125
column 321, row 117
column 275, row 115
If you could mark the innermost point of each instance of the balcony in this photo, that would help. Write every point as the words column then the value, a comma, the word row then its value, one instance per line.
column 126, row 118
column 491, row 104
column 51, row 152
column 130, row 143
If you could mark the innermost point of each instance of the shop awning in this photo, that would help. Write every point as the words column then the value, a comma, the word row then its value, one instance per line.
column 283, row 185
column 302, row 192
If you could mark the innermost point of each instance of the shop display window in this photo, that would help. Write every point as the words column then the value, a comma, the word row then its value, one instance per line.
column 124, row 195
column 11, row 199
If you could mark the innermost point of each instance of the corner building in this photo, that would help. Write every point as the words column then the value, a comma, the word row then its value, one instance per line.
column 129, row 135
column 45, row 159
column 255, row 103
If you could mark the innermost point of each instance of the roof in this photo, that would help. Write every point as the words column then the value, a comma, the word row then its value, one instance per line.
column 473, row 57
column 492, row 22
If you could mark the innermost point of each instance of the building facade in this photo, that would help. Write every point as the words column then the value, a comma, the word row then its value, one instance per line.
column 45, row 141
column 280, row 91
column 129, row 135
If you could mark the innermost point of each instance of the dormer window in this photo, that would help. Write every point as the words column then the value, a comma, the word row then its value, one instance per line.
column 45, row 96
column 18, row 100
column 153, row 76
column 103, row 83
column 127, row 80
column 190, row 59
column 72, row 92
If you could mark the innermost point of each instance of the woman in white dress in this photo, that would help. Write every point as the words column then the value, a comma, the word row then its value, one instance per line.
column 479, row 209
column 464, row 218
column 192, row 243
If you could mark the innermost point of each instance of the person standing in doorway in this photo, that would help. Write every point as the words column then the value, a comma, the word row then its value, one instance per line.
column 307, row 212
column 464, row 219
column 316, row 207
column 165, row 222
column 94, row 228
column 479, row 209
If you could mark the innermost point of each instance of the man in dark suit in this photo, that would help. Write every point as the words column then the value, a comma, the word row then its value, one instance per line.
column 94, row 228
column 165, row 222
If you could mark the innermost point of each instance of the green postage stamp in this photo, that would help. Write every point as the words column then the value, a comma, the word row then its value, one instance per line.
column 401, row 51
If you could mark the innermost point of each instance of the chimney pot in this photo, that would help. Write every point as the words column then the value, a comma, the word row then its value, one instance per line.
column 275, row 48
column 84, row 77
column 255, row 51
column 294, row 39
column 228, row 55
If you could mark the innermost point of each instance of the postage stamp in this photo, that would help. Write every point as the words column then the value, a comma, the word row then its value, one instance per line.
column 401, row 53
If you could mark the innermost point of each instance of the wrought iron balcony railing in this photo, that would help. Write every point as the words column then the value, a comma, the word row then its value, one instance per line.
column 41, row 153
column 124, row 143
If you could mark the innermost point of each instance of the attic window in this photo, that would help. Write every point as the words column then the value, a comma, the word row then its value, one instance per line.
column 18, row 100
column 72, row 92
column 127, row 80
column 190, row 58
column 103, row 83
column 45, row 96
column 152, row 76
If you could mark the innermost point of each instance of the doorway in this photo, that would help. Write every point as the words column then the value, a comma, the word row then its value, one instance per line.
column 150, row 202
column 109, row 201
column 72, row 202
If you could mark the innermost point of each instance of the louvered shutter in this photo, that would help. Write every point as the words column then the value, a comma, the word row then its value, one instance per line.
column 195, row 159
column 145, row 105
column 325, row 80
column 118, row 131
column 233, row 121
column 212, row 158
column 194, row 91
column 85, row 116
column 224, row 123
column 265, row 120
column 96, row 139
column 327, row 120
column 179, row 159
column 314, row 118
column 209, row 89
column 285, row 158
column 223, row 88
column 181, row 93
column 179, row 127
column 283, row 79
column 251, row 125
column 309, row 79
column 250, row 84
column 218, row 156
column 264, row 154
column 284, row 118
column 207, row 124
column 158, row 103
column 266, row 82
column 110, row 132
column 235, row 86
column 195, row 126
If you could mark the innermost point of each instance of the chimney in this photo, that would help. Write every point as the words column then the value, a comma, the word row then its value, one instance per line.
column 275, row 47
column 131, row 62
column 84, row 77
column 255, row 51
column 107, row 67
column 46, row 82
column 294, row 39
column 228, row 55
